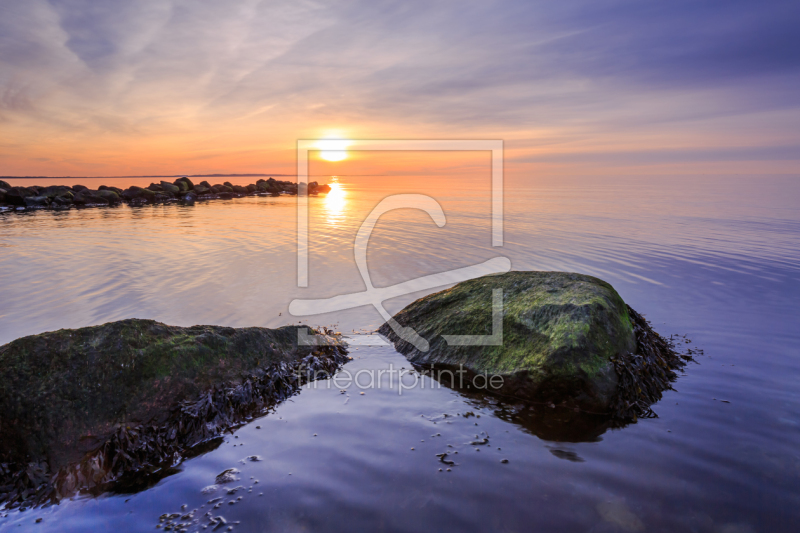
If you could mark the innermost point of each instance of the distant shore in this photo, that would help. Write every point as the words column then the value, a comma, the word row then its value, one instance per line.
column 182, row 190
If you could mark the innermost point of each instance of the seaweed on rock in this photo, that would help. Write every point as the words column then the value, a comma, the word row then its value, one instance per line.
column 568, row 339
column 643, row 376
column 144, row 448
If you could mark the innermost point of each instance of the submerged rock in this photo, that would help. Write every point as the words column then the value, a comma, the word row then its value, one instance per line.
column 566, row 339
column 90, row 404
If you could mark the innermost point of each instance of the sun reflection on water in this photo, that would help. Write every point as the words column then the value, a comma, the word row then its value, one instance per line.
column 335, row 204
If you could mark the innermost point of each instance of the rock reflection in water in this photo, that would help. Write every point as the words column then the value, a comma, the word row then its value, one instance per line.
column 548, row 422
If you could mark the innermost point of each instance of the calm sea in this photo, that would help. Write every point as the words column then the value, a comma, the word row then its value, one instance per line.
column 714, row 258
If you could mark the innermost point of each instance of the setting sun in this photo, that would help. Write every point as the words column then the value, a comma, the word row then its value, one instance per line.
column 333, row 149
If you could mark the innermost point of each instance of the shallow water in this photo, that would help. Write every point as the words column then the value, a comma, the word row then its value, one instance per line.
column 714, row 258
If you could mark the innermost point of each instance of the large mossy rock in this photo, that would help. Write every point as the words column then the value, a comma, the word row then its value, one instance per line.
column 65, row 393
column 564, row 337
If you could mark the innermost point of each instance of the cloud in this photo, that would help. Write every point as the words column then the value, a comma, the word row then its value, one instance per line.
column 553, row 71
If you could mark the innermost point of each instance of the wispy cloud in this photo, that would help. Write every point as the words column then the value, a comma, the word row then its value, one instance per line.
column 166, row 76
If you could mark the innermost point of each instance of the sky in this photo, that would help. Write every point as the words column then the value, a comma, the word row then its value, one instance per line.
column 634, row 87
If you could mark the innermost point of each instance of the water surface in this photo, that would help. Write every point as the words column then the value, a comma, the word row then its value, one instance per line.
column 715, row 258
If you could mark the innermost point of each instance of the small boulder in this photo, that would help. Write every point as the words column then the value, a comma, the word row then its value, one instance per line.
column 190, row 198
column 108, row 195
column 17, row 195
column 201, row 189
column 156, row 187
column 163, row 197
column 108, row 188
column 251, row 188
column 56, row 190
column 187, row 181
column 61, row 201
column 37, row 201
column 89, row 197
column 169, row 187
column 4, row 185
column 138, row 195
column 227, row 476
column 79, row 188
column 238, row 189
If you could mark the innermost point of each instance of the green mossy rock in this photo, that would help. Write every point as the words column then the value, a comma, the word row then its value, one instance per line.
column 169, row 187
column 65, row 392
column 54, row 191
column 561, row 332
column 188, row 183
column 109, row 196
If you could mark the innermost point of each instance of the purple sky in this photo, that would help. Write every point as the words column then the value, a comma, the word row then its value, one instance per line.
column 148, row 86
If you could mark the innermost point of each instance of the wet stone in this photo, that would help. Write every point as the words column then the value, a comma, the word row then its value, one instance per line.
column 227, row 476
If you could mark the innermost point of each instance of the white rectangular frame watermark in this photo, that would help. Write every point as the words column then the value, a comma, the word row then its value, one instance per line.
column 306, row 145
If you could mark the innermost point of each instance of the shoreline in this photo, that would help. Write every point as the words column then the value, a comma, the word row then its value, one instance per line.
column 182, row 190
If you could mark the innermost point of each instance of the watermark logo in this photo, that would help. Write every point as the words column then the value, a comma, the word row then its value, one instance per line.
column 375, row 296
column 400, row 379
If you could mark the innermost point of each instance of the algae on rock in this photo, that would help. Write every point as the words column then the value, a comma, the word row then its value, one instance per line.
column 564, row 336
column 124, row 394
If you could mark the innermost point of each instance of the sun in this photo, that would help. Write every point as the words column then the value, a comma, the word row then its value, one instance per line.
column 333, row 149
